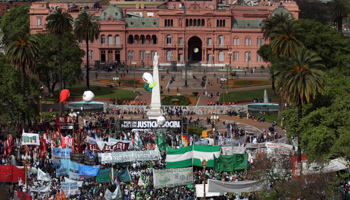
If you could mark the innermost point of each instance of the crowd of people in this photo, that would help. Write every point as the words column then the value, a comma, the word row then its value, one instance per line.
column 141, row 187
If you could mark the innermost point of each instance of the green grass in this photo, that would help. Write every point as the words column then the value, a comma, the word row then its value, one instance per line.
column 248, row 83
column 76, row 91
column 248, row 95
column 269, row 117
column 182, row 100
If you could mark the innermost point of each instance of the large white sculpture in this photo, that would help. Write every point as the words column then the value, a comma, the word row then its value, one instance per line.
column 88, row 96
column 155, row 111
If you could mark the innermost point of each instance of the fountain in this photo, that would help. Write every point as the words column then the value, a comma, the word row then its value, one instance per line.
column 265, row 107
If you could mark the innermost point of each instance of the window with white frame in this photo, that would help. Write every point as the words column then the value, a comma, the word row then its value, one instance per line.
column 180, row 41
column 91, row 55
column 260, row 41
column 168, row 39
column 141, row 55
column 181, row 57
column 221, row 40
column 236, row 56
column 110, row 40
column 117, row 40
column 248, row 41
column 209, row 41
column 169, row 56
column 259, row 58
column 221, row 56
column 248, row 56
column 235, row 41
column 103, row 39
column 39, row 21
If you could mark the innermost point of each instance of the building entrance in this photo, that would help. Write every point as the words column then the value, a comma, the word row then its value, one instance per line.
column 195, row 49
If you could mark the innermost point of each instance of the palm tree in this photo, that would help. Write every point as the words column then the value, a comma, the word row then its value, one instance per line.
column 58, row 23
column 273, row 21
column 339, row 10
column 22, row 49
column 86, row 28
column 300, row 80
column 286, row 38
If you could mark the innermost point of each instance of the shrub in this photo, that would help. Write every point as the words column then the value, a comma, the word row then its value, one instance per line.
column 181, row 100
column 195, row 93
column 194, row 131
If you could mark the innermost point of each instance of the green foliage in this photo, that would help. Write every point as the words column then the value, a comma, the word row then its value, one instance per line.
column 332, row 46
column 16, row 20
column 59, row 22
column 181, row 100
column 195, row 131
column 265, row 51
column 314, row 10
column 325, row 125
column 48, row 65
column 195, row 93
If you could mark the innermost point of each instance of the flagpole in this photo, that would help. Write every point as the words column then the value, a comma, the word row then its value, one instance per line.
column 185, row 50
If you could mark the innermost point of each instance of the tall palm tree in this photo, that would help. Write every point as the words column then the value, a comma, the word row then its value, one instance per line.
column 86, row 28
column 301, row 80
column 339, row 10
column 58, row 23
column 22, row 49
column 286, row 38
column 273, row 21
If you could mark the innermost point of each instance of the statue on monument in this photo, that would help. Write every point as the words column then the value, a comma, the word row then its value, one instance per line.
column 155, row 60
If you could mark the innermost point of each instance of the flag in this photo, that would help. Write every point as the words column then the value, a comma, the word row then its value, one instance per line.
column 113, row 195
column 43, row 176
column 230, row 163
column 191, row 155
column 185, row 140
column 161, row 141
column 62, row 196
column 58, row 196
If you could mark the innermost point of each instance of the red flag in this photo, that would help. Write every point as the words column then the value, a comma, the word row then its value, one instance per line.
column 147, row 146
column 132, row 140
column 73, row 146
column 117, row 177
column 153, row 146
column 27, row 151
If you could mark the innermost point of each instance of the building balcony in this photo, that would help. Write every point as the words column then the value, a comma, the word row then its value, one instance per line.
column 111, row 46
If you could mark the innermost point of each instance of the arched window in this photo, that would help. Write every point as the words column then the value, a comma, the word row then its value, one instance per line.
column 190, row 22
column 221, row 56
column 186, row 22
column 131, row 39
column 103, row 39
column 248, row 56
column 221, row 40
column 235, row 41
column 236, row 56
column 199, row 22
column 143, row 39
column 117, row 40
column 203, row 23
column 166, row 23
column 110, row 40
column 169, row 56
column 194, row 22
column 103, row 56
column 154, row 39
column 248, row 41
column 260, row 41
column 171, row 23
column 168, row 39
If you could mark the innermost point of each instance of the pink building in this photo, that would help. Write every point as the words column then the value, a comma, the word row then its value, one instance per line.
column 213, row 32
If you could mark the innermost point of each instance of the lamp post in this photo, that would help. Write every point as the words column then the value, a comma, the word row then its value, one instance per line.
column 134, row 64
column 73, row 115
column 26, row 160
column 230, row 55
column 115, row 79
column 41, row 114
column 214, row 119
column 148, row 58
column 130, row 56
column 227, row 66
column 204, row 163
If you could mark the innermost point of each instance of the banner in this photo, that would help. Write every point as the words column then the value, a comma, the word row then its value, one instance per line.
column 11, row 173
column 69, row 188
column 102, row 147
column 129, row 156
column 43, row 176
column 64, row 122
column 172, row 177
column 230, row 163
column 174, row 125
column 88, row 170
column 30, row 139
column 113, row 195
column 104, row 176
column 232, row 150
column 236, row 187
column 80, row 183
column 19, row 195
column 131, row 146
column 60, row 171
column 278, row 148
column 44, row 189
column 58, row 154
column 200, row 191
column 84, row 159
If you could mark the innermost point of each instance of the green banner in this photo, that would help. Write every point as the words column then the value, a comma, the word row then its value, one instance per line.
column 230, row 162
column 104, row 175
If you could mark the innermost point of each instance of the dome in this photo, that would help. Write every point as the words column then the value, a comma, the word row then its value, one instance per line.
column 279, row 10
column 112, row 10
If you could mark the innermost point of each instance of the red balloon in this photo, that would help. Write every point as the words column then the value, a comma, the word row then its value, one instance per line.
column 64, row 95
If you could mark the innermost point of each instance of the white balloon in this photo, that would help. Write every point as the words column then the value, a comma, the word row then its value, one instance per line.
column 148, row 78
column 161, row 120
column 88, row 96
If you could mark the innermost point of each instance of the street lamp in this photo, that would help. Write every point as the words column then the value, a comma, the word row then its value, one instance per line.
column 148, row 58
column 204, row 163
column 115, row 79
column 130, row 56
column 229, row 55
column 41, row 114
column 134, row 64
column 26, row 160
column 227, row 66
column 73, row 115
column 214, row 119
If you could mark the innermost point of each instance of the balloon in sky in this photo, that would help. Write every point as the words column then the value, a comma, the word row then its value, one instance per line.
column 88, row 96
column 149, row 83
column 161, row 120
column 64, row 95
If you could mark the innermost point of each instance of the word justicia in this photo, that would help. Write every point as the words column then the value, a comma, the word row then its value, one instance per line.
column 153, row 124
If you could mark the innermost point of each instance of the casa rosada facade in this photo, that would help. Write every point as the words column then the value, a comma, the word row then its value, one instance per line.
column 214, row 33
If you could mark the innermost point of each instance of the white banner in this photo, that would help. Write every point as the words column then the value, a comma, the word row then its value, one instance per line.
column 113, row 195
column 43, row 189
column 278, row 148
column 200, row 191
column 69, row 188
column 129, row 156
column 80, row 183
column 30, row 139
column 232, row 150
column 172, row 177
column 43, row 176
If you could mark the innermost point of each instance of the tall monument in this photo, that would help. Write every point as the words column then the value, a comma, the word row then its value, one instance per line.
column 155, row 110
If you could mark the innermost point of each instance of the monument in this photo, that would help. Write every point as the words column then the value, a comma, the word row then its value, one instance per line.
column 155, row 111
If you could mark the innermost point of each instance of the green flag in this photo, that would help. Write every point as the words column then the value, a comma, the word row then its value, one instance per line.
column 230, row 162
column 161, row 141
